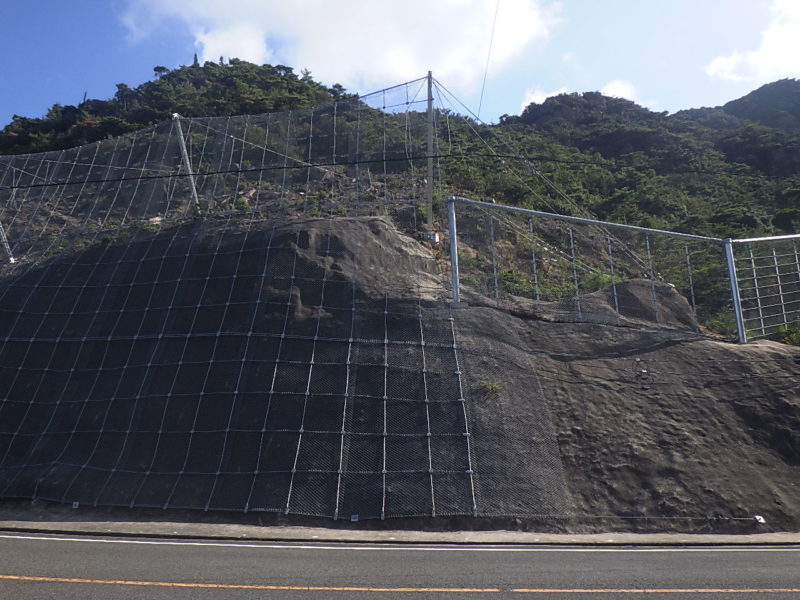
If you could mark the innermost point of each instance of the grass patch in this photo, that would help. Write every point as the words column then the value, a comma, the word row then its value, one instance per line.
column 788, row 334
column 491, row 387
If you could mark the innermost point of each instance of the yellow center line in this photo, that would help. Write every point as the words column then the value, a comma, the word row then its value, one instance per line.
column 658, row 591
column 235, row 586
column 312, row 588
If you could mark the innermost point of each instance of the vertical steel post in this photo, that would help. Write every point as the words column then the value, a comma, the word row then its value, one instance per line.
column 780, row 286
column 6, row 246
column 613, row 278
column 651, row 266
column 451, row 225
column 187, row 165
column 309, row 159
column 796, row 261
column 494, row 259
column 690, row 279
column 735, row 297
column 533, row 261
column 385, row 171
column 429, row 182
column 757, row 291
column 575, row 273
column 333, row 163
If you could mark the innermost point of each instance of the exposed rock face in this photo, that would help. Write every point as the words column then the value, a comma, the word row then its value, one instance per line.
column 648, row 423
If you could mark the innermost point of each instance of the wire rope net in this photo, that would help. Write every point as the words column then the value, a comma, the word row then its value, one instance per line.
column 205, row 315
column 592, row 272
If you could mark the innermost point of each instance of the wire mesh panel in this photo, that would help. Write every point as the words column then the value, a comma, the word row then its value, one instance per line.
column 595, row 272
column 768, row 274
column 61, row 201
column 238, row 366
column 170, row 340
column 358, row 156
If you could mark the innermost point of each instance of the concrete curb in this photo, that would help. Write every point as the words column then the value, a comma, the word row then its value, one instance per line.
column 206, row 531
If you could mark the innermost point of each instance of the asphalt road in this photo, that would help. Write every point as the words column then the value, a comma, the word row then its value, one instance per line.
column 35, row 566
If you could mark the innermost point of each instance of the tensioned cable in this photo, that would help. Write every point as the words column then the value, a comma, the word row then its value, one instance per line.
column 75, row 163
column 513, row 151
column 536, row 172
column 488, row 56
column 321, row 165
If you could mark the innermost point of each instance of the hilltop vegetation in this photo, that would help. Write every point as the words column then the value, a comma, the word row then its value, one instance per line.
column 727, row 171
column 213, row 89
column 774, row 105
column 703, row 170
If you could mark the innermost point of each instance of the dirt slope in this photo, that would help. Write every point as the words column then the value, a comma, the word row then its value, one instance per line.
column 315, row 367
column 648, row 423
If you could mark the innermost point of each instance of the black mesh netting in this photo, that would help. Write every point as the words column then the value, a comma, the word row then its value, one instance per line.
column 224, row 369
column 216, row 366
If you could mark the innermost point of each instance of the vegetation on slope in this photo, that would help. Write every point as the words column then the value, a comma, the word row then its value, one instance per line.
column 726, row 171
column 774, row 105
column 704, row 170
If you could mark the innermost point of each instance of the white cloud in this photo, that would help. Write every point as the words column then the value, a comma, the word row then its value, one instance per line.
column 726, row 67
column 778, row 55
column 241, row 39
column 619, row 88
column 537, row 96
column 362, row 44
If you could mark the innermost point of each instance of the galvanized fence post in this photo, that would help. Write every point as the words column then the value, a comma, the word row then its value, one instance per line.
column 574, row 261
column 533, row 260
column 451, row 225
column 734, row 283
column 690, row 279
column 652, row 274
column 780, row 285
column 185, row 156
column 757, row 292
column 5, row 244
column 613, row 278
column 494, row 259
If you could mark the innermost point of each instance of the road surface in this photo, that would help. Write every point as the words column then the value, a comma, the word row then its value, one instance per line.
column 66, row 567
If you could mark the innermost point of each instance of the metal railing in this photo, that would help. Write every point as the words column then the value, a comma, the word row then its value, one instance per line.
column 577, row 269
column 767, row 272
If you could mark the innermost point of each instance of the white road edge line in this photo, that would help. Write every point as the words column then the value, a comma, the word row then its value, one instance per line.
column 387, row 547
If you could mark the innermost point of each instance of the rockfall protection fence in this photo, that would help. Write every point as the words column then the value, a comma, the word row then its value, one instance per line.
column 169, row 337
column 385, row 154
column 578, row 269
column 220, row 314
column 363, row 155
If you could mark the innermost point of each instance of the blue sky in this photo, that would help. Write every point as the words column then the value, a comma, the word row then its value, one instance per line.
column 665, row 54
